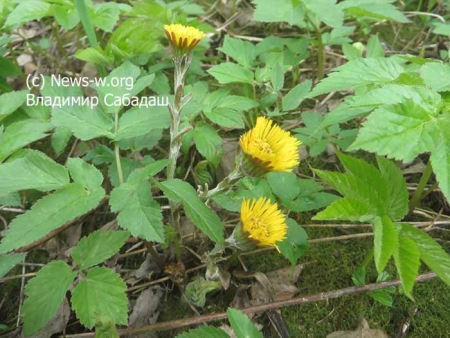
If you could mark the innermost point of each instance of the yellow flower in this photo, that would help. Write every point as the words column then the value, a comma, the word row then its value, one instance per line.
column 262, row 222
column 183, row 38
column 267, row 148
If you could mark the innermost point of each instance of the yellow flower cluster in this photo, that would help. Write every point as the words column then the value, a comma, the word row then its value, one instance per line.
column 269, row 148
column 183, row 38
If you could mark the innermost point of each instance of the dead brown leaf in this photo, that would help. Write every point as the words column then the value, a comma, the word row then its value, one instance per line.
column 363, row 331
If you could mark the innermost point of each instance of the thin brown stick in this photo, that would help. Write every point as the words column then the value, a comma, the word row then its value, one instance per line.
column 324, row 296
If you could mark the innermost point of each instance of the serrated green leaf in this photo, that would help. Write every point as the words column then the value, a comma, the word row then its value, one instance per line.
column 101, row 295
column 431, row 253
column 20, row 134
column 326, row 11
column 28, row 11
column 139, row 121
column 242, row 325
column 407, row 261
column 85, row 174
column 436, row 75
column 98, row 247
column 34, row 171
column 359, row 277
column 226, row 117
column 204, row 332
column 284, row 11
column 50, row 213
column 45, row 292
column 208, row 143
column 374, row 48
column 380, row 10
column 10, row 102
column 359, row 72
column 284, row 185
column 242, row 51
column 7, row 262
column 84, row 121
column 346, row 209
column 296, row 95
column 138, row 212
column 295, row 244
column 397, row 197
column 235, row 102
column 440, row 159
column 385, row 241
column 382, row 297
column 401, row 131
column 196, row 210
column 228, row 72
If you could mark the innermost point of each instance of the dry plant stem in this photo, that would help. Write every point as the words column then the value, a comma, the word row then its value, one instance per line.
column 324, row 296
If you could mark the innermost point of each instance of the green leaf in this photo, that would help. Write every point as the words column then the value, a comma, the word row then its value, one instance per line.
column 101, row 295
column 401, row 131
column 242, row 325
column 138, row 212
column 139, row 121
column 27, row 11
column 7, row 262
column 85, row 174
column 228, row 72
column 98, row 247
column 60, row 139
column 407, row 261
column 385, row 241
column 206, row 220
column 84, row 121
column 284, row 11
column 359, row 72
column 235, row 102
column 379, row 10
column 431, row 253
column 242, row 51
column 226, row 117
column 398, row 196
column 374, row 48
column 208, row 143
column 382, row 297
column 346, row 209
column 326, row 11
column 45, row 293
column 20, row 134
column 34, row 171
column 296, row 95
column 95, row 56
column 284, row 185
column 204, row 332
column 10, row 102
column 440, row 159
column 359, row 277
column 436, row 75
column 49, row 213
column 295, row 244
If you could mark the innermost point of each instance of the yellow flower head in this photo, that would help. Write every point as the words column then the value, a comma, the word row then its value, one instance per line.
column 183, row 38
column 269, row 148
column 262, row 222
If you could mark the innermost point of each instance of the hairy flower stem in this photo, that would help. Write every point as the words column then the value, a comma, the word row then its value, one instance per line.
column 225, row 184
column 181, row 65
column 416, row 198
